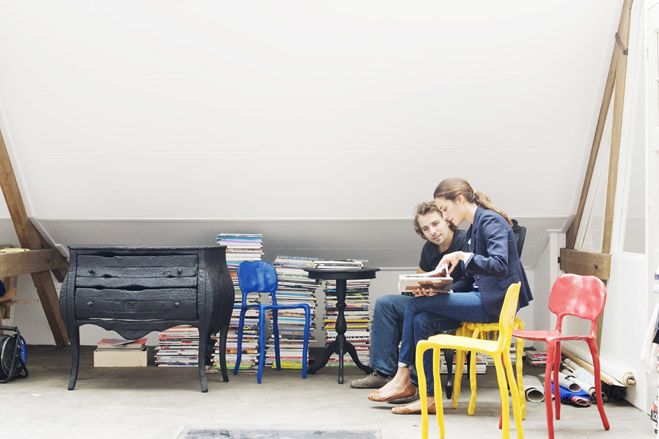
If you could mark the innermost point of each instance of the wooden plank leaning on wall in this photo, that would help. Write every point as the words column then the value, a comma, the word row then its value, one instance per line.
column 590, row 263
column 30, row 238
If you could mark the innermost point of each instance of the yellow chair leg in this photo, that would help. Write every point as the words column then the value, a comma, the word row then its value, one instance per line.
column 421, row 349
column 503, row 391
column 514, row 391
column 439, row 409
column 457, row 378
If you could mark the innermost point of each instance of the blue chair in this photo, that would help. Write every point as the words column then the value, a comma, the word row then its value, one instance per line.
column 261, row 277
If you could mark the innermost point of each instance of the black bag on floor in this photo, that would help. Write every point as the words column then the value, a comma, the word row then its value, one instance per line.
column 13, row 355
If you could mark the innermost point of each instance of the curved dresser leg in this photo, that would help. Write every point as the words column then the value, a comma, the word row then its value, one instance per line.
column 223, row 353
column 203, row 335
column 74, row 339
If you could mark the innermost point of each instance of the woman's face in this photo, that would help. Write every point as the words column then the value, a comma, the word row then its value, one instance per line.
column 452, row 210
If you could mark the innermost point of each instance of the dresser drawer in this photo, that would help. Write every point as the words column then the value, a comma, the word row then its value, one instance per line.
column 144, row 304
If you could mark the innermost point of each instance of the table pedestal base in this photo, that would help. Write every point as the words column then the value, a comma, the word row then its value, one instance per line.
column 339, row 346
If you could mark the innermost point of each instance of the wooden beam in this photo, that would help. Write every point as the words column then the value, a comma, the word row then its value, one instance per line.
column 571, row 236
column 33, row 261
column 10, row 289
column 615, row 80
column 50, row 303
column 586, row 263
column 29, row 237
column 622, row 44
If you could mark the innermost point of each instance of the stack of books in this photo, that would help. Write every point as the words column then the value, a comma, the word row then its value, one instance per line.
column 536, row 358
column 356, row 311
column 178, row 347
column 241, row 247
column 112, row 352
column 295, row 287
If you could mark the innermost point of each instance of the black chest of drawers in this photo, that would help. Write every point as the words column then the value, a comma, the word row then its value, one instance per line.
column 136, row 290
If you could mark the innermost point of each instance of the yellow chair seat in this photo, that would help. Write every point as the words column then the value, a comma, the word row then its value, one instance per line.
column 465, row 343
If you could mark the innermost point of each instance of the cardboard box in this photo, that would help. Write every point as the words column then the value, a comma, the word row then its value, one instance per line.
column 120, row 358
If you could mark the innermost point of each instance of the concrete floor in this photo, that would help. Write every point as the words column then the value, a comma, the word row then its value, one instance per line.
column 160, row 403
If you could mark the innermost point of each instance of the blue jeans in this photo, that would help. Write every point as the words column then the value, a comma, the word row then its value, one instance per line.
column 386, row 332
column 426, row 316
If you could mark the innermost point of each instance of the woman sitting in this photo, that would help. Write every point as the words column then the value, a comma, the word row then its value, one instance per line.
column 492, row 261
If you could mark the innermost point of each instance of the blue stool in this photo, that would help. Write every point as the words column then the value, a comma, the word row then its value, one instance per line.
column 261, row 277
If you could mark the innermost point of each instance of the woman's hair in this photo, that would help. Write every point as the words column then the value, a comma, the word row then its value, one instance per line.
column 451, row 188
column 424, row 209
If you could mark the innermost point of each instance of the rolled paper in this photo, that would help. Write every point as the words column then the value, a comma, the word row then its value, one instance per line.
column 534, row 390
column 568, row 381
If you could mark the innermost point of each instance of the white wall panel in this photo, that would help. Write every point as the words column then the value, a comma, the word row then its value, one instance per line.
column 142, row 109
column 308, row 184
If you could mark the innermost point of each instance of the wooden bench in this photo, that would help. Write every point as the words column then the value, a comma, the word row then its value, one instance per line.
column 136, row 290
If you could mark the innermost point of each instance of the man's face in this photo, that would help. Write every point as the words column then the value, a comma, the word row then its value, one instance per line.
column 434, row 228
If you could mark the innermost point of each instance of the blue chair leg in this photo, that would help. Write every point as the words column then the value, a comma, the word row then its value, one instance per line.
column 305, row 344
column 259, row 374
column 275, row 333
column 239, row 347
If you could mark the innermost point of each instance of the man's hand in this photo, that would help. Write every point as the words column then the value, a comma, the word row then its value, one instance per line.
column 450, row 261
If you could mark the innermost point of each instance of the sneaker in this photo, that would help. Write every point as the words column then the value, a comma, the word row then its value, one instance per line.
column 371, row 381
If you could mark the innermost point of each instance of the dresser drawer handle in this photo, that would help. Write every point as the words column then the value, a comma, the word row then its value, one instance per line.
column 90, row 303
column 177, row 304
column 92, row 271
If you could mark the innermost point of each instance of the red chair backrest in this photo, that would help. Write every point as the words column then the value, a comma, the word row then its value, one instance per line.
column 580, row 296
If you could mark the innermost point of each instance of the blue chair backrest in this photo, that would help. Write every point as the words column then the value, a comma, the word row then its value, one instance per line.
column 257, row 277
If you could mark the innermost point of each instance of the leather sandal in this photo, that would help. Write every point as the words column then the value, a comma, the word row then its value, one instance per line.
column 405, row 410
column 376, row 397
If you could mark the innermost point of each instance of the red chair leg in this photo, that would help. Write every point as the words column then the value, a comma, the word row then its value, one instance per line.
column 548, row 393
column 598, row 382
column 557, row 390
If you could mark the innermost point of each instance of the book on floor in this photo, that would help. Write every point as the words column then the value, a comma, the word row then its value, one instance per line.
column 121, row 344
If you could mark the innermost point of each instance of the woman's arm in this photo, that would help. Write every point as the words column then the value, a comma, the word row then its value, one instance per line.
column 495, row 232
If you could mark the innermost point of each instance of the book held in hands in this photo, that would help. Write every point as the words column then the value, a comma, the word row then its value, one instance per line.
column 438, row 284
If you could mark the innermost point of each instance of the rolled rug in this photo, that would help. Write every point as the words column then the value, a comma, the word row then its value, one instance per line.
column 534, row 390
column 578, row 399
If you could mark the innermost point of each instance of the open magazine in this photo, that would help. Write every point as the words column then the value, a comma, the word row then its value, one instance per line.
column 431, row 281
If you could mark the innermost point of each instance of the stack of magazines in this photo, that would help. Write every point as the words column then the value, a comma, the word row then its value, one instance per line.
column 295, row 287
column 241, row 247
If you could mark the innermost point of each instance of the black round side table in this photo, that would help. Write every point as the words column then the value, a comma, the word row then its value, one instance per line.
column 340, row 345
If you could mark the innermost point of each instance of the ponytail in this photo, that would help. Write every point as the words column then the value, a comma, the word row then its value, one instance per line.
column 484, row 201
column 451, row 188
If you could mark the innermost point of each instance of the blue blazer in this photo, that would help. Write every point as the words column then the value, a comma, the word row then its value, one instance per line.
column 495, row 264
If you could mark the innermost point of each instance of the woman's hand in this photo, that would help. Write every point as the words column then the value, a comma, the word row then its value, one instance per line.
column 450, row 261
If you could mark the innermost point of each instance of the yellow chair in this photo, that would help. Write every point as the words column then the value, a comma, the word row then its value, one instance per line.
column 486, row 331
column 497, row 349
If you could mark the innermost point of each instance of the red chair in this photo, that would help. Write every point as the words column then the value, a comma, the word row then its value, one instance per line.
column 571, row 295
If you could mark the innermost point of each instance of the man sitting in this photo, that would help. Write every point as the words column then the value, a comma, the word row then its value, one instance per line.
column 386, row 329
